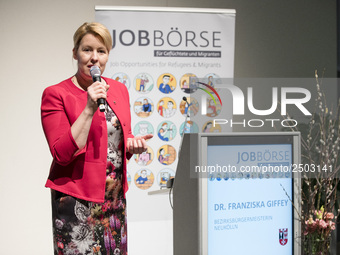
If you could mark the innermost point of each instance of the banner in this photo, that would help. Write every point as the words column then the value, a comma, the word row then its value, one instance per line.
column 159, row 53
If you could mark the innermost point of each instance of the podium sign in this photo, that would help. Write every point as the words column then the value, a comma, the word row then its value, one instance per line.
column 241, row 187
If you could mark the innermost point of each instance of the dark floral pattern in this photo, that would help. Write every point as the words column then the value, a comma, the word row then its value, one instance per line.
column 82, row 227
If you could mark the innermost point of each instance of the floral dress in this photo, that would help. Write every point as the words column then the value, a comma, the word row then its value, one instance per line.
column 81, row 227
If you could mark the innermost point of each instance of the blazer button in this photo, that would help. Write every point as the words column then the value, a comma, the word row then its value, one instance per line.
column 124, row 124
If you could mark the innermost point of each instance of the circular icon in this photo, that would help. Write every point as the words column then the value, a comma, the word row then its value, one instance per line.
column 144, row 179
column 274, row 174
column 209, row 127
column 247, row 176
column 233, row 176
column 143, row 83
column 281, row 174
column 143, row 107
column 166, row 131
column 219, row 176
column 122, row 78
column 166, row 155
column 260, row 175
column 188, row 83
column 188, row 127
column 211, row 79
column 213, row 107
column 166, row 107
column 189, row 107
column 143, row 128
column 128, row 177
column 145, row 158
column 164, row 176
column 166, row 83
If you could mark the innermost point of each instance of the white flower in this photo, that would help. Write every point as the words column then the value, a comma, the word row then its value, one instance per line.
column 81, row 211
column 82, row 237
column 59, row 224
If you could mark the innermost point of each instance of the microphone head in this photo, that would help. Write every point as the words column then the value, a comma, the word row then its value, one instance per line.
column 95, row 71
column 184, row 99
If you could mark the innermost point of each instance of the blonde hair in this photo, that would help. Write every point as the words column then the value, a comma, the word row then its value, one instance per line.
column 96, row 29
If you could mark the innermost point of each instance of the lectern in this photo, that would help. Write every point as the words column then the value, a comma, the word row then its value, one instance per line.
column 234, row 192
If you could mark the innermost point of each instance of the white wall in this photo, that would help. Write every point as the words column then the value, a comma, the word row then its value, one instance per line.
column 273, row 39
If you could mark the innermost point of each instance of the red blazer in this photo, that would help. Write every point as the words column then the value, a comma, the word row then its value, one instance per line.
column 82, row 175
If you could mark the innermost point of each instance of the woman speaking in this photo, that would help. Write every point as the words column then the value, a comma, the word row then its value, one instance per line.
column 89, row 149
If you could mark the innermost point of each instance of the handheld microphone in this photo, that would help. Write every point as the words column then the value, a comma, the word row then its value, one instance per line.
column 186, row 101
column 95, row 73
column 185, row 122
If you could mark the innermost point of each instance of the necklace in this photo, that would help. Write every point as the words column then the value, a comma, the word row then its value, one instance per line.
column 75, row 82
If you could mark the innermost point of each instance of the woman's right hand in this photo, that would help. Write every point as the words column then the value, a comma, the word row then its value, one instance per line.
column 81, row 127
column 94, row 92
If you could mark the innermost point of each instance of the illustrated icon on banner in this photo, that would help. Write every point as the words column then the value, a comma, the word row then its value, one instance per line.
column 144, row 179
column 143, row 128
column 166, row 154
column 166, row 131
column 190, row 107
column 145, row 158
column 164, row 176
column 128, row 177
column 166, row 83
column 211, row 79
column 213, row 107
column 143, row 83
column 143, row 107
column 188, row 83
column 166, row 107
column 208, row 127
column 188, row 127
column 122, row 78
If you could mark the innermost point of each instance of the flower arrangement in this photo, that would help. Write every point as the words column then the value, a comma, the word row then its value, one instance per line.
column 320, row 147
column 318, row 229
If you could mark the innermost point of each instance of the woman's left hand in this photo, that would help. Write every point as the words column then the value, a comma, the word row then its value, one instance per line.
column 137, row 145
